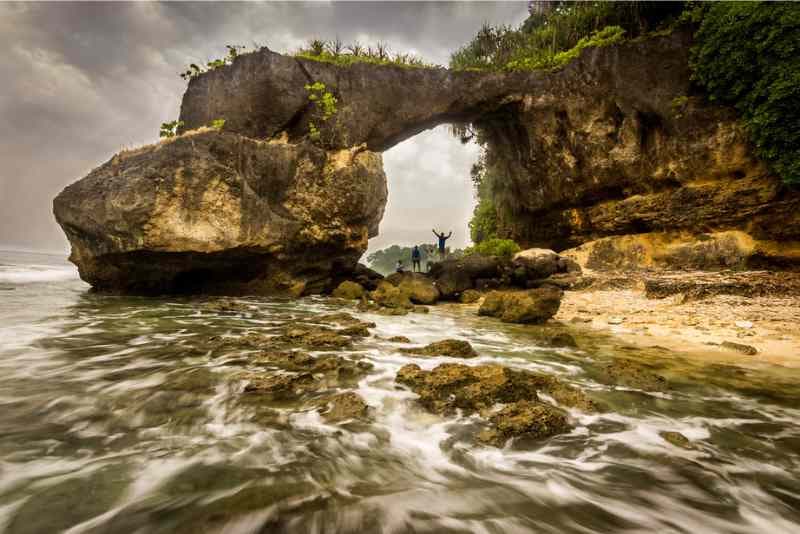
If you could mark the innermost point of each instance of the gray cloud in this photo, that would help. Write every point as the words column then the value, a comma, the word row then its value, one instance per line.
column 81, row 81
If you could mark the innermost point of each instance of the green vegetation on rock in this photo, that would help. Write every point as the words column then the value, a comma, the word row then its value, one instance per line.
column 556, row 32
column 324, row 108
column 169, row 129
column 194, row 70
column 343, row 55
column 748, row 56
column 504, row 248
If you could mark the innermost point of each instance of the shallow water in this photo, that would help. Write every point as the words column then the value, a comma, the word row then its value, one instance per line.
column 117, row 416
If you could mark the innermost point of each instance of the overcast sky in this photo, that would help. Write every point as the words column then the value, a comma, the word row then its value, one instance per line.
column 82, row 81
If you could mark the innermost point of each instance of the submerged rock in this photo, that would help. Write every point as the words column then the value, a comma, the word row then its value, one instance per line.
column 399, row 339
column 475, row 388
column 524, row 418
column 456, row 348
column 471, row 389
column 534, row 306
column 748, row 350
column 343, row 406
column 677, row 439
column 316, row 339
column 224, row 306
column 280, row 386
column 342, row 318
column 624, row 372
column 470, row 296
column 349, row 290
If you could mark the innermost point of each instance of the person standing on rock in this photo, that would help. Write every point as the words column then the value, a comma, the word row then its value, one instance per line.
column 416, row 257
column 442, row 239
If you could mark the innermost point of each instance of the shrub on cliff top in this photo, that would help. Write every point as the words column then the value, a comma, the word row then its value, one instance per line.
column 551, row 34
column 345, row 55
column 748, row 55
column 505, row 248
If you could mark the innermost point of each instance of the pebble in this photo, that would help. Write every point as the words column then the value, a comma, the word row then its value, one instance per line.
column 743, row 324
column 615, row 320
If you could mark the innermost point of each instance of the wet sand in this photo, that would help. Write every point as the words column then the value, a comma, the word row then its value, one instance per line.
column 697, row 328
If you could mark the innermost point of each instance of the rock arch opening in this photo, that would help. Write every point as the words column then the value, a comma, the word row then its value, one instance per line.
column 429, row 186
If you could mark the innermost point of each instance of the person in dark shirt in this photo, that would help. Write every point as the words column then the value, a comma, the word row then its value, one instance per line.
column 442, row 239
column 416, row 257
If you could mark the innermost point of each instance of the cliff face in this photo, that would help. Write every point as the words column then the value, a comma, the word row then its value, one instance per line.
column 612, row 146
column 620, row 145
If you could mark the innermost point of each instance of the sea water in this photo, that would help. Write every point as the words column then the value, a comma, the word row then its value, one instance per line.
column 117, row 415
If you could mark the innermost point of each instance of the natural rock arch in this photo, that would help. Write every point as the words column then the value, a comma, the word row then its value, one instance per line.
column 595, row 149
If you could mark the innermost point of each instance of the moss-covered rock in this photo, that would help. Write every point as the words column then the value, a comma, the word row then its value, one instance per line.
column 630, row 373
column 524, row 418
column 342, row 407
column 455, row 348
column 390, row 296
column 470, row 296
column 348, row 290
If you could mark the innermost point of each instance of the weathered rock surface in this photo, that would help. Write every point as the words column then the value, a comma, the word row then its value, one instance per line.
column 456, row 348
column 596, row 149
column 349, row 290
column 390, row 296
column 470, row 296
column 524, row 418
column 695, row 286
column 454, row 276
column 625, row 372
column 419, row 287
column 343, row 406
column 605, row 151
column 534, row 306
column 216, row 212
column 449, row 387
column 476, row 388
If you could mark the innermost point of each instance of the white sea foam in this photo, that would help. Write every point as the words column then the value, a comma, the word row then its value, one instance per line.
column 27, row 274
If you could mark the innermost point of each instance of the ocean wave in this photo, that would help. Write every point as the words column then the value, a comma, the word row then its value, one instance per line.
column 27, row 274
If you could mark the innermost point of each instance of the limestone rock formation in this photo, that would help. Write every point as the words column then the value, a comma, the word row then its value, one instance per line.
column 596, row 149
column 217, row 212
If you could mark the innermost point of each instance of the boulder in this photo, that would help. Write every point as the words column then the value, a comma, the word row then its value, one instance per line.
column 366, row 277
column 389, row 296
column 538, row 262
column 534, row 306
column 419, row 287
column 524, row 418
column 455, row 348
column 454, row 276
column 349, row 290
